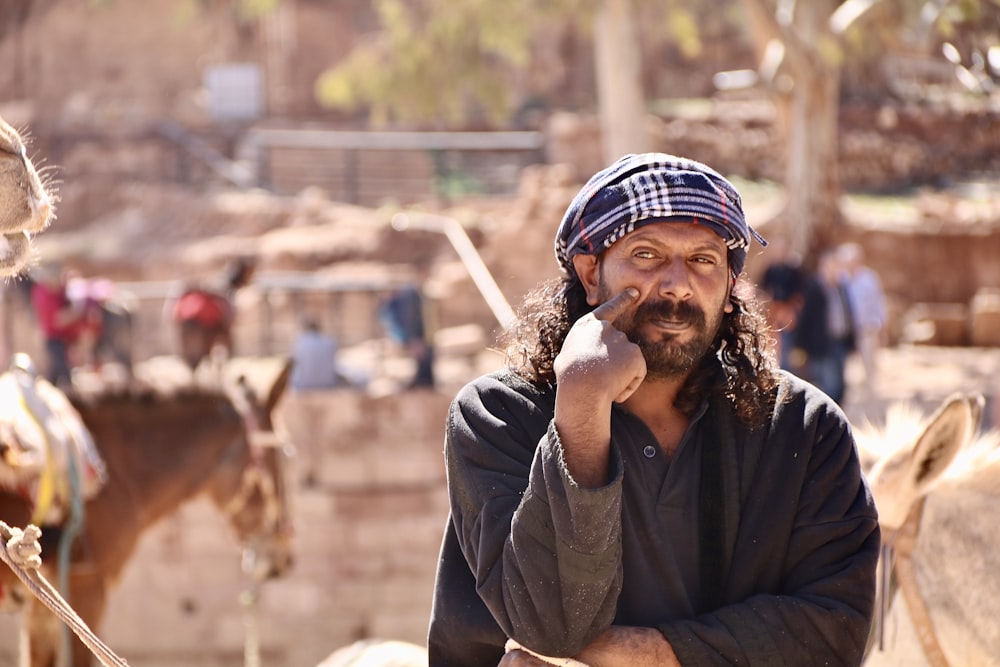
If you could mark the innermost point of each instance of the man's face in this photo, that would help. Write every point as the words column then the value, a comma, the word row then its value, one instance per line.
column 682, row 274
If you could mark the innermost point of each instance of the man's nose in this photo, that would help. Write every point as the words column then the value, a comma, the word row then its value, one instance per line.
column 674, row 280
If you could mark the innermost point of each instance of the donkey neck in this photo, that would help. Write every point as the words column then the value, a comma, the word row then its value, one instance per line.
column 163, row 453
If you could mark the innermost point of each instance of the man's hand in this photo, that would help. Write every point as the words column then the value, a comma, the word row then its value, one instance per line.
column 623, row 646
column 618, row 646
column 597, row 365
column 599, row 360
column 519, row 658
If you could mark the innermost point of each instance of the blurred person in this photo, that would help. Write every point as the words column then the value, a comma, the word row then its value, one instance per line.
column 314, row 356
column 864, row 288
column 782, row 282
column 314, row 373
column 63, row 322
column 641, row 484
column 404, row 316
column 110, row 338
column 205, row 315
column 824, row 336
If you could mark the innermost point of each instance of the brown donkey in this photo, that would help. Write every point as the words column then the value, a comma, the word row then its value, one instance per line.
column 160, row 449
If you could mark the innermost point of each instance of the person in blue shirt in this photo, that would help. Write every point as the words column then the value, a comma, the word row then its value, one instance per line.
column 314, row 373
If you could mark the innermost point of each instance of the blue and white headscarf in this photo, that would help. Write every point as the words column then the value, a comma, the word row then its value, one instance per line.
column 653, row 187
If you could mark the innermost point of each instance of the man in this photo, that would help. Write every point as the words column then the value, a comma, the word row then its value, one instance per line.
column 314, row 358
column 782, row 282
column 825, row 335
column 305, row 407
column 864, row 287
column 641, row 485
column 62, row 322
column 403, row 314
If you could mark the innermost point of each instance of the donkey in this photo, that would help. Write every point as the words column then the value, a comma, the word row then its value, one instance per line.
column 26, row 204
column 160, row 449
column 936, row 482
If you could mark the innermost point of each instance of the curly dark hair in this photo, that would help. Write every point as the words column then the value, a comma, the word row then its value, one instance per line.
column 741, row 364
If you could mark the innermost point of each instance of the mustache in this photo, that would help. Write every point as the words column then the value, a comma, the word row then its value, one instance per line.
column 678, row 311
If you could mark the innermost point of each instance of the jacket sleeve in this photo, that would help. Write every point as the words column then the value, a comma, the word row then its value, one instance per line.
column 545, row 553
column 816, row 607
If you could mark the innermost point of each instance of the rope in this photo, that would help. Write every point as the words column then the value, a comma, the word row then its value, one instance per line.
column 72, row 529
column 905, row 541
column 256, row 477
column 251, row 638
column 20, row 550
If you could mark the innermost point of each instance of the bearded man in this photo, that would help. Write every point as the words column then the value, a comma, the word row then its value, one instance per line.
column 641, row 485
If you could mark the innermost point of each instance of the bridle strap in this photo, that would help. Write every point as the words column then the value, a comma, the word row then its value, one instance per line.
column 265, row 439
column 904, row 541
column 255, row 477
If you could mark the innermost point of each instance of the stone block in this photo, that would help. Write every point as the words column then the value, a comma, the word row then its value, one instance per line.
column 984, row 318
column 939, row 324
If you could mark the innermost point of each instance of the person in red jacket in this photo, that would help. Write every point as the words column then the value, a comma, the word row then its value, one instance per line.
column 62, row 321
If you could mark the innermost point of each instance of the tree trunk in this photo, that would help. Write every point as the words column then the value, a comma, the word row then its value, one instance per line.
column 812, row 175
column 278, row 34
column 806, row 94
column 619, row 81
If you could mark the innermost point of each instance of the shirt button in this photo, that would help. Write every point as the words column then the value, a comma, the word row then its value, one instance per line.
column 649, row 451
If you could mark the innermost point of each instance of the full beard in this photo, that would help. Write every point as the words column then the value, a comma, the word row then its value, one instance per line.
column 666, row 356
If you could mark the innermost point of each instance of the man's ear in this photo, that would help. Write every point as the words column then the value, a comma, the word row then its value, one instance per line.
column 729, row 306
column 588, row 270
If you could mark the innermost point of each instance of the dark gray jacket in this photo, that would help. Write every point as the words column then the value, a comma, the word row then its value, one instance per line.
column 784, row 574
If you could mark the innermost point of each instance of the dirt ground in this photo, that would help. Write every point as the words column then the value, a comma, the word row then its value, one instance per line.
column 924, row 376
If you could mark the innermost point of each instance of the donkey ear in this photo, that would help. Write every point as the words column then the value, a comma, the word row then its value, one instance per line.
column 977, row 406
column 946, row 433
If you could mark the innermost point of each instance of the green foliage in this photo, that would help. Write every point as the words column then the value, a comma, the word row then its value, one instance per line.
column 254, row 8
column 440, row 60
column 444, row 61
column 903, row 27
column 963, row 16
column 453, row 184
column 681, row 27
column 830, row 51
column 188, row 10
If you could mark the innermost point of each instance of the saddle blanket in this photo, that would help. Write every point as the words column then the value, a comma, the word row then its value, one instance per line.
column 43, row 444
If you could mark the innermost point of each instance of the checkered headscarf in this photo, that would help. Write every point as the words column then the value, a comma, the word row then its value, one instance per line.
column 652, row 187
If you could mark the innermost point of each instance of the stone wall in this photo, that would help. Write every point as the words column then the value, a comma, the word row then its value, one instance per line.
column 883, row 147
column 934, row 275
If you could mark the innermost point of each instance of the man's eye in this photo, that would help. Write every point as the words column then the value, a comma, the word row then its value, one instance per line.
column 644, row 254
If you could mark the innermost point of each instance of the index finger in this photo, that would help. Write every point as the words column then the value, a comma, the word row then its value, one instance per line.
column 616, row 305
